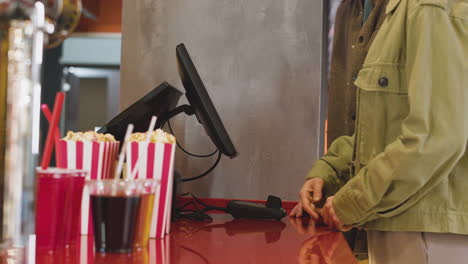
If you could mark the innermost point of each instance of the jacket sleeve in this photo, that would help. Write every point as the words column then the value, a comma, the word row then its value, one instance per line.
column 433, row 136
column 333, row 168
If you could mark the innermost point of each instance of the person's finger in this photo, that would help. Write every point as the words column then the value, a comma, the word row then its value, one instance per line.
column 296, row 224
column 307, row 246
column 330, row 212
column 319, row 221
column 311, row 227
column 309, row 207
column 317, row 189
column 303, row 257
column 322, row 214
column 312, row 258
column 297, row 210
column 326, row 216
column 335, row 217
column 340, row 225
column 293, row 211
column 336, row 221
column 345, row 228
column 293, row 221
column 299, row 224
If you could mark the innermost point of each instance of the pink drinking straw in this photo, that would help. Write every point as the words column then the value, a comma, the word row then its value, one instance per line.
column 49, row 145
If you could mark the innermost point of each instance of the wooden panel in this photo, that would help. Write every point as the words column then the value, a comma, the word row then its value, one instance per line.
column 260, row 61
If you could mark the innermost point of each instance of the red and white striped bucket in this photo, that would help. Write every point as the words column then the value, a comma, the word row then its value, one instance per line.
column 98, row 158
column 159, row 250
column 156, row 161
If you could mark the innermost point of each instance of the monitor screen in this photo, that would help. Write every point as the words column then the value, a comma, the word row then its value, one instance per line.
column 201, row 103
column 158, row 102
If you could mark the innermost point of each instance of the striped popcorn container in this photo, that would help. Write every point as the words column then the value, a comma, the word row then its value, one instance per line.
column 155, row 161
column 98, row 158
column 159, row 251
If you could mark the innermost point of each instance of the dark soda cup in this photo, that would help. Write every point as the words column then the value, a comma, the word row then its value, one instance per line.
column 114, row 205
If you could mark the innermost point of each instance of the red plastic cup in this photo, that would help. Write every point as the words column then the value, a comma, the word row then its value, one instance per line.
column 59, row 193
column 72, row 217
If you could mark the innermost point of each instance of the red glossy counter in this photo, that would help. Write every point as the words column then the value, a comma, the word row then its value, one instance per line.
column 225, row 240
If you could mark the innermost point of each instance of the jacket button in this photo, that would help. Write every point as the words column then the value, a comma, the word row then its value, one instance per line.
column 353, row 116
column 361, row 39
column 383, row 82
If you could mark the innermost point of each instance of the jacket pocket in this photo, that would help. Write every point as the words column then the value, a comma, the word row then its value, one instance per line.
column 383, row 104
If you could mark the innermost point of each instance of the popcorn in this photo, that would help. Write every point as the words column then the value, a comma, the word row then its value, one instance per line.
column 157, row 136
column 89, row 136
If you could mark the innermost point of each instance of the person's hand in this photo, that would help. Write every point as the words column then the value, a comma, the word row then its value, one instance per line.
column 303, row 225
column 297, row 211
column 326, row 248
column 311, row 252
column 311, row 192
column 330, row 218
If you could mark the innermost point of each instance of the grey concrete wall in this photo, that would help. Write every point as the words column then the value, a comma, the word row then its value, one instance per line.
column 260, row 61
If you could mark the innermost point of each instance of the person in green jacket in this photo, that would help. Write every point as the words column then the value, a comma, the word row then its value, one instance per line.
column 403, row 175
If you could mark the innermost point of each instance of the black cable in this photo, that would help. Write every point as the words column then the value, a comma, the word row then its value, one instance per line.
column 185, row 151
column 195, row 215
column 209, row 207
column 198, row 213
column 187, row 204
column 196, row 253
column 206, row 172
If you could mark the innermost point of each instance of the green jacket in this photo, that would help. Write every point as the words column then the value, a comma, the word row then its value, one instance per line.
column 406, row 167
